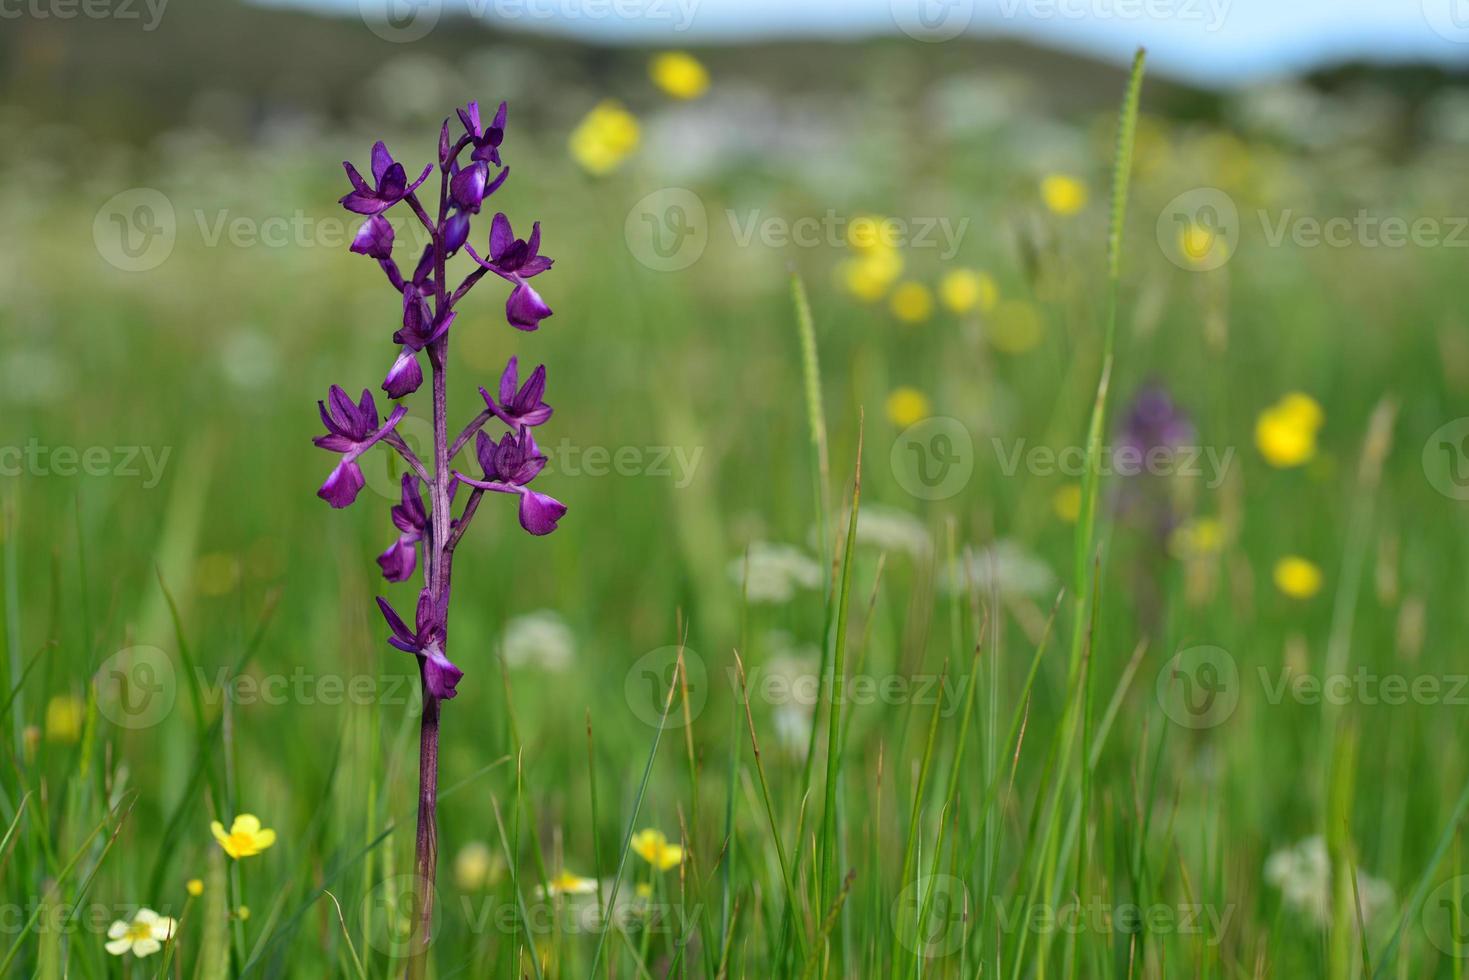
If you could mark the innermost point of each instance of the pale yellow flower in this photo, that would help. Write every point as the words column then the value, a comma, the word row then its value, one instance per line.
column 679, row 74
column 1285, row 433
column 144, row 936
column 644, row 889
column 1196, row 538
column 473, row 866
column 906, row 405
column 1066, row 502
column 869, row 276
column 65, row 714
column 1201, row 246
column 652, row 846
column 604, row 137
column 1015, row 327
column 217, row 573
column 246, row 837
column 1297, row 577
column 195, row 887
column 1063, row 194
column 963, row 290
column 567, row 883
column 912, row 302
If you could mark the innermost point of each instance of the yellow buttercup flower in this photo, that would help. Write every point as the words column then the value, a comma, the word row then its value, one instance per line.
column 473, row 866
column 64, row 716
column 195, row 887
column 1015, row 327
column 912, row 302
column 1063, row 194
column 679, row 74
column 654, row 848
column 1285, row 433
column 869, row 276
column 906, row 406
column 143, row 936
column 1196, row 538
column 644, row 889
column 567, row 883
column 1066, row 502
column 1198, row 244
column 963, row 290
column 1297, row 577
column 246, row 837
column 243, row 913
column 605, row 137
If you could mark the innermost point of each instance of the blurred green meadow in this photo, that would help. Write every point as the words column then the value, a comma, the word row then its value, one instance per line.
column 1191, row 759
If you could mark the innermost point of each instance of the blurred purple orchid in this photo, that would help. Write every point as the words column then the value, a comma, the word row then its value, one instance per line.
column 350, row 430
column 391, row 182
column 519, row 408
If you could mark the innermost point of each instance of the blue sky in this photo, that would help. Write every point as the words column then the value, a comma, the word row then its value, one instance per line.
column 1211, row 41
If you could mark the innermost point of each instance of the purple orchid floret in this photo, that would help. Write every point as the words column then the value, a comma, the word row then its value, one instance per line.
column 391, row 182
column 509, row 466
column 426, row 641
column 428, row 530
column 486, row 140
column 411, row 519
column 350, row 430
column 523, row 407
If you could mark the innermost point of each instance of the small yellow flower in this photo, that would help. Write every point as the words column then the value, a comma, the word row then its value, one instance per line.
column 912, row 302
column 195, row 887
column 1285, row 433
column 869, row 276
column 644, row 889
column 243, row 913
column 472, row 866
column 1297, row 577
column 963, row 290
column 217, row 573
column 1066, row 502
column 1015, row 327
column 654, row 848
column 144, row 936
column 1196, row 538
column 906, row 406
column 605, row 137
column 679, row 74
column 1063, row 194
column 567, row 883
column 1197, row 245
column 64, row 716
column 246, row 837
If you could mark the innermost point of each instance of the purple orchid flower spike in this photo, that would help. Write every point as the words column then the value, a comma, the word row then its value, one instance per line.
column 515, row 260
column 411, row 519
column 509, row 465
column 426, row 641
column 519, row 408
column 428, row 530
column 351, row 431
column 391, row 182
